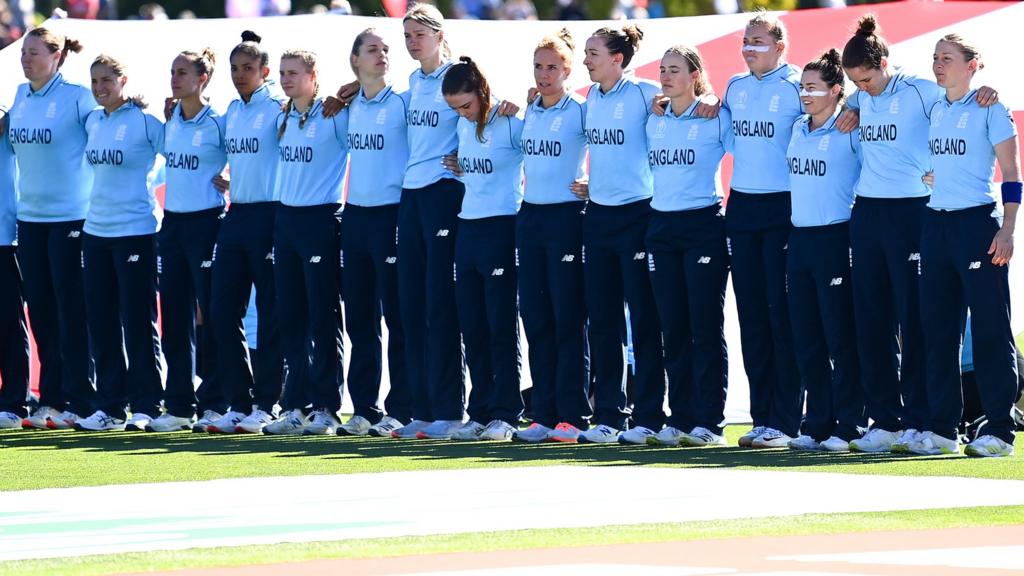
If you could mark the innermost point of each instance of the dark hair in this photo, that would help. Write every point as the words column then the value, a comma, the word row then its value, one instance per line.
column 465, row 77
column 56, row 43
column 250, row 48
column 694, row 63
column 202, row 61
column 118, row 69
column 866, row 49
column 308, row 60
column 625, row 41
column 829, row 65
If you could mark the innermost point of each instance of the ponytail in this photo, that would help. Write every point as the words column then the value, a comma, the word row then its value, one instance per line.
column 56, row 43
column 829, row 65
column 866, row 49
column 625, row 41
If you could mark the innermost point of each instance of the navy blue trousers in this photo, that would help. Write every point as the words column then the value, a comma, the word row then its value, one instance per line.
column 885, row 236
column 758, row 227
column 485, row 288
column 369, row 258
column 245, row 258
column 120, row 292
column 306, row 270
column 14, row 348
column 689, row 266
column 549, row 241
column 615, row 271
column 427, row 226
column 957, row 273
column 50, row 255
column 824, row 335
column 185, row 244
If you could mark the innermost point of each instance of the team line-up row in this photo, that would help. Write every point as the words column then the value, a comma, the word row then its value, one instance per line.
column 859, row 232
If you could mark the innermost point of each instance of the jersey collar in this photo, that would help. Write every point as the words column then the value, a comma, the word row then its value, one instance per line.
column 826, row 127
column 770, row 75
column 46, row 87
column 378, row 98
column 536, row 104
column 436, row 73
column 195, row 119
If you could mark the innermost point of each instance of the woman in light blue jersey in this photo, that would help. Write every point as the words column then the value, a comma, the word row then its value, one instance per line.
column 14, row 350
column 687, row 254
column 966, row 246
column 119, row 254
column 764, row 103
column 824, row 165
column 245, row 246
column 312, row 154
column 378, row 145
column 193, row 209
column 490, row 160
column 885, row 237
column 427, row 224
column 47, row 130
column 615, row 257
column 549, row 240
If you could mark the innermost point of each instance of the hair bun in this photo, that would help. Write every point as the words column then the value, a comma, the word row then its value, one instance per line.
column 867, row 25
column 72, row 45
column 565, row 36
column 209, row 55
column 634, row 34
column 250, row 36
column 465, row 59
column 832, row 56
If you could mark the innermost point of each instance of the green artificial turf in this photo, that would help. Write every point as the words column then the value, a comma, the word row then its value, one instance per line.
column 57, row 459
column 518, row 540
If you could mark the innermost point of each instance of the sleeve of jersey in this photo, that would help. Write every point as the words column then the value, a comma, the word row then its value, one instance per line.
column 222, row 129
column 728, row 86
column 648, row 91
column 853, row 102
column 86, row 104
column 515, row 128
column 341, row 128
column 1000, row 124
column 855, row 144
column 155, row 133
column 725, row 129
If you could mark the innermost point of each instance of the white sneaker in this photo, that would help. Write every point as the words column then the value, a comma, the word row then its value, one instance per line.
column 99, row 422
column 747, row 440
column 931, row 444
column 636, row 435
column 667, row 436
column 9, row 421
column 321, row 423
column 835, row 444
column 385, row 427
column 209, row 417
column 471, row 430
column 535, row 433
column 410, row 430
column 804, row 443
column 989, row 446
column 287, row 424
column 700, row 437
column 565, row 433
column 227, row 424
column 498, row 430
column 875, row 440
column 599, row 434
column 169, row 423
column 440, row 430
column 65, row 421
column 138, row 422
column 771, row 438
column 255, row 422
column 356, row 426
column 900, row 445
column 40, row 418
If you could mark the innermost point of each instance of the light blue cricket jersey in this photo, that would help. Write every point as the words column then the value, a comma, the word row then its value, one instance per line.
column 492, row 170
column 8, row 190
column 195, row 154
column 251, row 145
column 685, row 155
column 554, row 149
column 122, row 149
column 894, row 137
column 962, row 140
column 47, row 131
column 616, row 125
column 824, row 166
column 431, row 125
column 312, row 157
column 378, row 147
column 763, row 111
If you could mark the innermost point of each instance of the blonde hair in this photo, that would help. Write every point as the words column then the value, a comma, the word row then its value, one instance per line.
column 965, row 48
column 428, row 15
column 771, row 23
column 308, row 60
column 694, row 63
column 118, row 68
column 203, row 62
column 560, row 43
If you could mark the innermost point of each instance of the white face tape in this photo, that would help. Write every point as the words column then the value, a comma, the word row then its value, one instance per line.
column 817, row 93
column 749, row 48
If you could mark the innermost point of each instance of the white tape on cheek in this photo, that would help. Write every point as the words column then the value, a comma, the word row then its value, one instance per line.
column 749, row 48
column 816, row 93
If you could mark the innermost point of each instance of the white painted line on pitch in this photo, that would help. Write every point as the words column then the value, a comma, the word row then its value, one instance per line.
column 233, row 512
column 987, row 557
column 588, row 569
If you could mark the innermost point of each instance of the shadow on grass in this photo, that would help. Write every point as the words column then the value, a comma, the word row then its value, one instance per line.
column 451, row 453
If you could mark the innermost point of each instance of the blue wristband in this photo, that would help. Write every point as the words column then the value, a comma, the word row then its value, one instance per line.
column 1012, row 192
